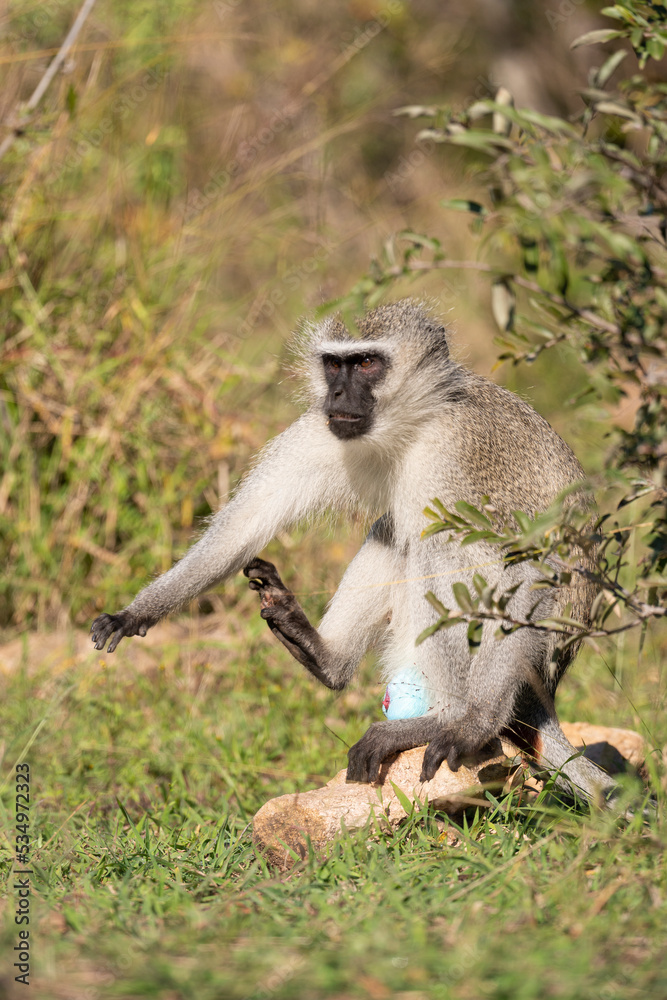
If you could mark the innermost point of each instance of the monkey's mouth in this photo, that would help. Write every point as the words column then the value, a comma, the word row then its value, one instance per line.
column 348, row 417
column 345, row 425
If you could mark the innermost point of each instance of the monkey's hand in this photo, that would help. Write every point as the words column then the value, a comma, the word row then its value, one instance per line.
column 116, row 626
column 288, row 621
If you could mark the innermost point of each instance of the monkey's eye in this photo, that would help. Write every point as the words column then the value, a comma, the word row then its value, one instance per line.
column 366, row 362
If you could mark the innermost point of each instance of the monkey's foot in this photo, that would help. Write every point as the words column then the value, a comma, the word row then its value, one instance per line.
column 383, row 739
column 115, row 627
column 451, row 745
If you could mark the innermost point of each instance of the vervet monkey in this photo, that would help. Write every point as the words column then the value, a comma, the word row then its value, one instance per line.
column 393, row 422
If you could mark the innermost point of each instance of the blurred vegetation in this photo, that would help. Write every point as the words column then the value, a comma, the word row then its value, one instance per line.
column 200, row 177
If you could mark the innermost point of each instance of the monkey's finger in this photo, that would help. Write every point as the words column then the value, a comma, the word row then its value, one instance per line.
column 373, row 767
column 259, row 566
column 256, row 584
column 434, row 755
column 101, row 629
column 356, row 771
column 357, row 764
column 102, row 639
column 117, row 636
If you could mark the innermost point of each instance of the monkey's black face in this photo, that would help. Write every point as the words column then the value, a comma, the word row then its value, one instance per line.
column 350, row 402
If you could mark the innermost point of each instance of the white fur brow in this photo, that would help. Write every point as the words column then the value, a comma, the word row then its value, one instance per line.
column 340, row 347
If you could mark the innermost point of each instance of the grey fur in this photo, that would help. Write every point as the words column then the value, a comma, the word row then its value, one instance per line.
column 438, row 431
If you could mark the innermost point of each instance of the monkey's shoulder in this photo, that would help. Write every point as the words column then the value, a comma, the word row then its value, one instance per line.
column 508, row 451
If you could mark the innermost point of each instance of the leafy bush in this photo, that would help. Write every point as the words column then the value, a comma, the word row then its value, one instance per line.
column 575, row 224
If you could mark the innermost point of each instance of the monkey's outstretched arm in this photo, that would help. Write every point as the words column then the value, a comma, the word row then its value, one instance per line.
column 358, row 613
column 298, row 474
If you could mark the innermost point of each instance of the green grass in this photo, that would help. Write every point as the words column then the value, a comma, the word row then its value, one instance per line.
column 147, row 767
column 140, row 349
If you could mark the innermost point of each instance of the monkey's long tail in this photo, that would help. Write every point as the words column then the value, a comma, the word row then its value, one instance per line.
column 574, row 774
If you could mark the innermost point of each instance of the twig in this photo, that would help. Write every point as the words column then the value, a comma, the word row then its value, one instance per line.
column 53, row 68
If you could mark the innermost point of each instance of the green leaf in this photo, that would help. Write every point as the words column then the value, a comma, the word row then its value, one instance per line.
column 464, row 205
column 472, row 514
column 609, row 66
column 550, row 123
column 442, row 623
column 480, row 142
column 597, row 37
column 463, row 598
column 620, row 110
column 524, row 522
column 428, row 242
column 655, row 48
column 475, row 630
column 407, row 804
column 507, row 596
column 479, row 536
column 435, row 603
column 417, row 111
column 71, row 99
column 503, row 305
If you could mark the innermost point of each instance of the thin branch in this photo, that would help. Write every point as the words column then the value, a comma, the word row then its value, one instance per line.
column 645, row 614
column 50, row 73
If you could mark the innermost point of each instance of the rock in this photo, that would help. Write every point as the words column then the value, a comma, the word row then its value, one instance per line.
column 284, row 826
column 610, row 748
column 289, row 821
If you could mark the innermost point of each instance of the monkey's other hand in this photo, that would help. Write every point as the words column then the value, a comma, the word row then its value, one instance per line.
column 115, row 627
column 280, row 608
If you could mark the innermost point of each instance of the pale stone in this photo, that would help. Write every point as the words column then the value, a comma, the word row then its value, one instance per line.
column 607, row 746
column 284, row 826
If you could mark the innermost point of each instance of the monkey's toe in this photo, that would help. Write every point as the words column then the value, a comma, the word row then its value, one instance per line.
column 364, row 759
column 438, row 750
column 102, row 628
column 262, row 571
